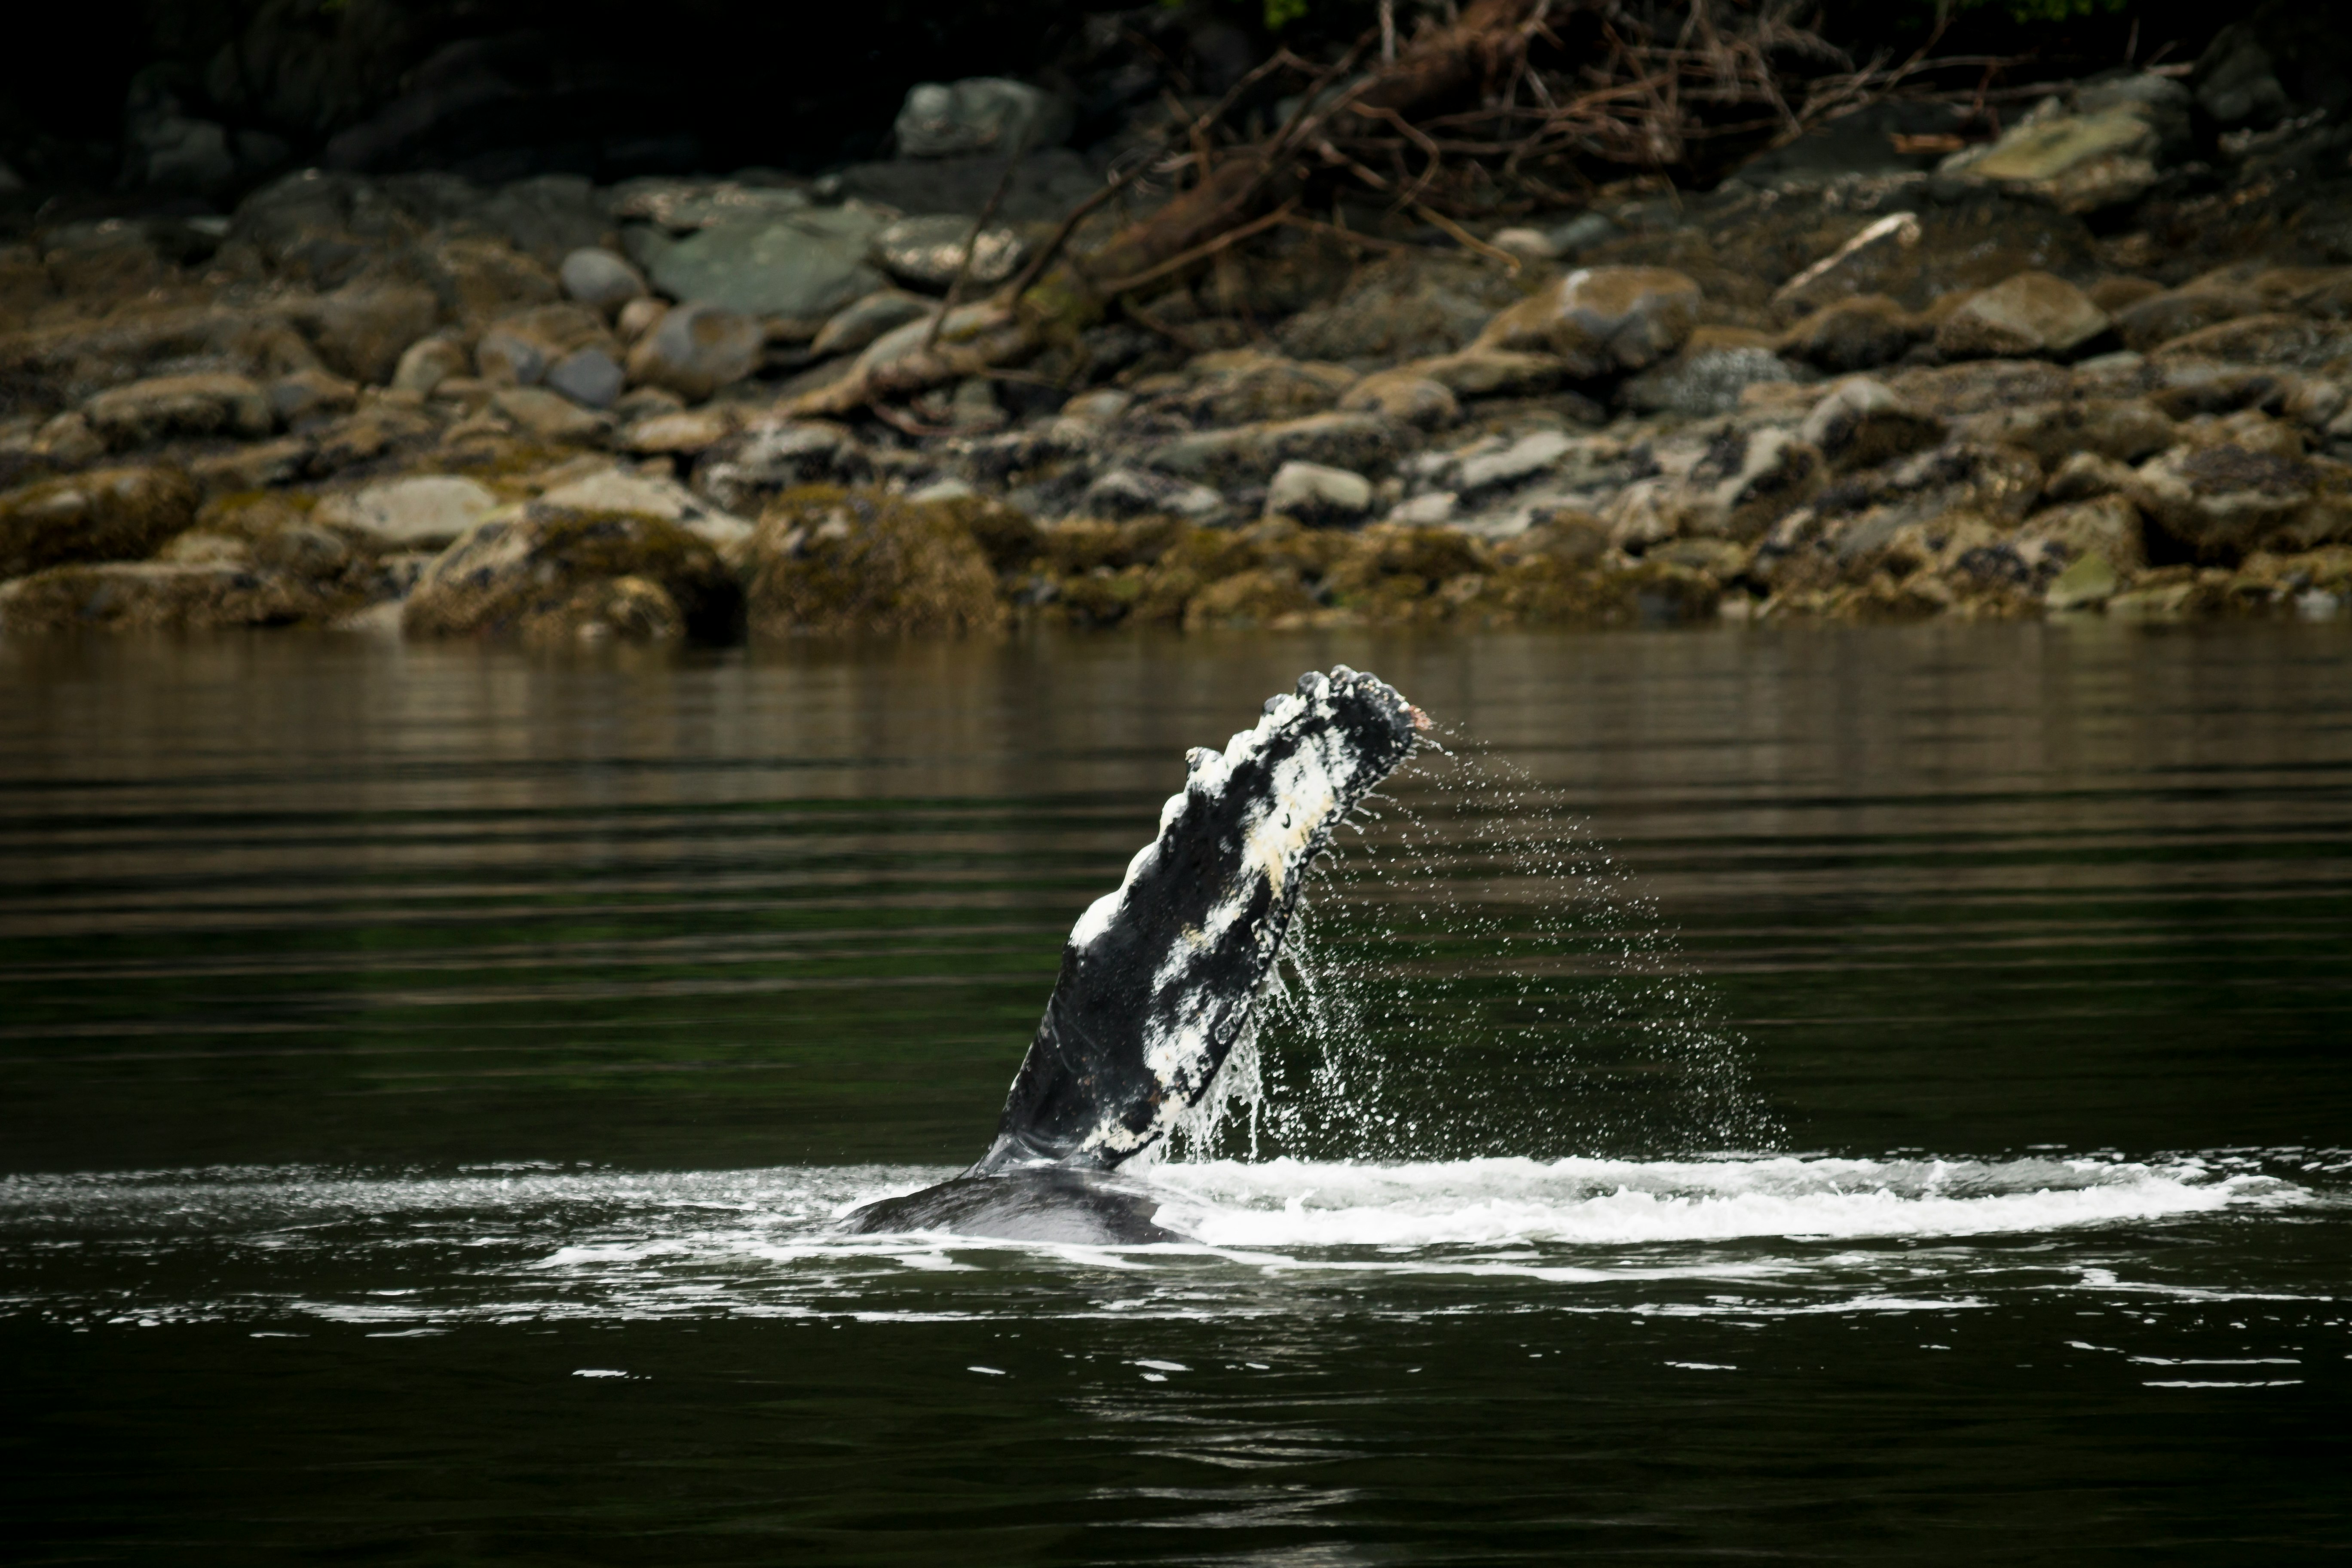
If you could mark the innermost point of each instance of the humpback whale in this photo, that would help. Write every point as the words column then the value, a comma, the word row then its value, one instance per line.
column 1159, row 978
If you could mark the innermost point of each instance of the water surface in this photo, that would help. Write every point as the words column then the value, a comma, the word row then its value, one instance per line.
column 1817, row 1096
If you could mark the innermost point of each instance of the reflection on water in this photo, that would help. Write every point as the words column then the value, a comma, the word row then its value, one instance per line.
column 435, row 1074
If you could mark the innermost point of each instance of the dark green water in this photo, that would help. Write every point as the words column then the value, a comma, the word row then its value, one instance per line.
column 432, row 1076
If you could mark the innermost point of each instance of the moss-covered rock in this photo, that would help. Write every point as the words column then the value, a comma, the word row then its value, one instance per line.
column 505, row 575
column 105, row 514
column 159, row 596
column 830, row 562
column 609, row 609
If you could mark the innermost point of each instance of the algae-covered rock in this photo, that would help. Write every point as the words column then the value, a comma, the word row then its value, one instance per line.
column 159, row 596
column 830, row 562
column 105, row 514
column 505, row 574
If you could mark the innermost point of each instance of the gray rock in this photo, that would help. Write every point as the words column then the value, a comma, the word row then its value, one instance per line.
column 698, row 349
column 977, row 114
column 1133, row 492
column 600, row 279
column 506, row 357
column 802, row 265
column 1602, row 319
column 740, row 473
column 1251, row 453
column 1313, row 494
column 1704, row 381
column 617, row 492
column 1520, row 461
column 590, row 377
column 928, row 251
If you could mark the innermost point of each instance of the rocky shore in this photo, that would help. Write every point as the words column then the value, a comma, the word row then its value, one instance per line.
column 2087, row 367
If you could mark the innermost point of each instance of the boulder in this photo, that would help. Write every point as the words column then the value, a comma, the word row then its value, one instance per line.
column 928, row 252
column 2225, row 501
column 424, row 511
column 1861, row 333
column 607, row 609
column 1602, row 320
column 1862, row 424
column 617, row 492
column 1123, row 492
column 146, row 412
column 2034, row 314
column 800, row 266
column 1314, row 494
column 977, row 114
column 601, row 280
column 156, row 595
column 2109, row 527
column 698, row 349
column 361, row 329
column 590, row 377
column 2106, row 154
column 828, row 561
column 2092, row 580
column 506, row 576
column 105, row 514
column 1705, row 377
column 740, row 473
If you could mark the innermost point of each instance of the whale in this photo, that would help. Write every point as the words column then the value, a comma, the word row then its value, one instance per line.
column 1161, row 977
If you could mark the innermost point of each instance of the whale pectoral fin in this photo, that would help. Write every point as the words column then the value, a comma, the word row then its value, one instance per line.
column 1158, row 979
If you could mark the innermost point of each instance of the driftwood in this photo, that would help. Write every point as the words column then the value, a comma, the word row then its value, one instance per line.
column 1460, row 111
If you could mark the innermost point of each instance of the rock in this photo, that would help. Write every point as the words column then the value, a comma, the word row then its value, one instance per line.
column 426, row 511
column 1479, row 371
column 1951, row 390
column 1313, row 494
column 147, row 412
column 1249, row 455
column 2237, row 81
column 1401, row 306
column 514, row 576
column 1243, row 386
column 427, row 364
column 105, row 514
column 2225, row 501
column 827, row 562
column 153, row 595
column 2092, row 580
column 2086, row 476
column 1704, row 378
column 1138, row 493
column 590, row 377
column 481, row 279
column 2105, row 156
column 741, row 473
column 619, row 492
column 1861, row 333
column 2031, row 314
column 1921, row 258
column 1854, row 269
column 698, row 349
column 601, row 280
column 252, row 466
column 2270, row 341
column 977, row 114
column 361, row 329
column 310, row 394
column 679, row 435
column 2109, row 528
column 1748, row 482
column 519, row 350
column 639, row 317
column 929, row 251
column 608, row 609
column 854, row 326
column 70, row 441
column 550, row 416
column 2175, row 313
column 1405, row 395
column 1602, row 321
column 1527, row 244
column 2127, row 430
column 1862, row 424
column 1513, row 464
column 800, row 265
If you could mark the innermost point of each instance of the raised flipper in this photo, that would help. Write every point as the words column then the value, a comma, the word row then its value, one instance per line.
column 1160, row 979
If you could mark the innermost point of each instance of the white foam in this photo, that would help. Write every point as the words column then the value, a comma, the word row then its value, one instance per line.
column 1292, row 1203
